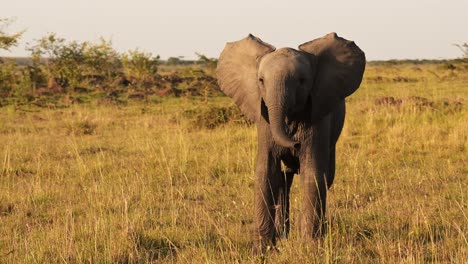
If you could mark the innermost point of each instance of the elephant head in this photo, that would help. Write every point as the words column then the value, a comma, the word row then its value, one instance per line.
column 311, row 80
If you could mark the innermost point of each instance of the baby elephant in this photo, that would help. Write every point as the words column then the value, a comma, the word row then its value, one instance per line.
column 297, row 100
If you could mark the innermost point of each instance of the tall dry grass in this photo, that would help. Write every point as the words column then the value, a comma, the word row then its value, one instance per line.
column 146, row 183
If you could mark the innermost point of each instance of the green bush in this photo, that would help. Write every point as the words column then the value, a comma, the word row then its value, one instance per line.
column 8, row 77
column 140, row 67
column 74, row 64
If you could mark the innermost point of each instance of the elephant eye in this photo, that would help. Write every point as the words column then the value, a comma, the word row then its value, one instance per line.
column 261, row 80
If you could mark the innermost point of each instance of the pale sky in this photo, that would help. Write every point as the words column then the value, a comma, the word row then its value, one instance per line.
column 390, row 29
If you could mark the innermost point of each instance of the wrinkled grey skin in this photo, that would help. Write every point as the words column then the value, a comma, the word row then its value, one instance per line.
column 296, row 98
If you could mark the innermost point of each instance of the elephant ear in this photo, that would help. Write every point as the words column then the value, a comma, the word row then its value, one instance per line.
column 237, row 73
column 340, row 67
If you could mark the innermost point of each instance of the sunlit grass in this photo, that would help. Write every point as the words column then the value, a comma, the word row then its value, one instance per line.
column 146, row 183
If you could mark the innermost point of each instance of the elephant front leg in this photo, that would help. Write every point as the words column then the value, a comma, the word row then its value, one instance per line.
column 282, row 221
column 267, row 183
column 314, row 203
column 315, row 165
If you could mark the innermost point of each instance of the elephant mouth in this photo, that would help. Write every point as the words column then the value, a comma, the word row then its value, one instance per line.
column 297, row 146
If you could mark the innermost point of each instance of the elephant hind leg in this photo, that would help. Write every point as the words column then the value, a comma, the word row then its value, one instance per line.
column 337, row 123
column 282, row 220
column 331, row 168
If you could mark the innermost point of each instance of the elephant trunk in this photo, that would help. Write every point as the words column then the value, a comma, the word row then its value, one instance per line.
column 277, row 115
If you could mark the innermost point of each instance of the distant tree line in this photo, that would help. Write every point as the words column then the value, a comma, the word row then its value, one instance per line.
column 202, row 59
column 59, row 66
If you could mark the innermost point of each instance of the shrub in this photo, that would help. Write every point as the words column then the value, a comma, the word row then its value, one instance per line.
column 7, row 77
column 140, row 68
column 75, row 63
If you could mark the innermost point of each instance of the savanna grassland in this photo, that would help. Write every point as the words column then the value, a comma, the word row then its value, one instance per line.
column 170, row 179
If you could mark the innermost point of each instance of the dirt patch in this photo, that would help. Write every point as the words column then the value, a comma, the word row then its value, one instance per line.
column 397, row 79
column 388, row 100
column 421, row 103
column 404, row 79
column 376, row 79
column 169, row 91
column 214, row 117
column 6, row 209
column 136, row 96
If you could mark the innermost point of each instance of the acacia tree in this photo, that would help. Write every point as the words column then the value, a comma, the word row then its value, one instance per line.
column 8, row 40
column 204, row 60
column 464, row 49
column 8, row 78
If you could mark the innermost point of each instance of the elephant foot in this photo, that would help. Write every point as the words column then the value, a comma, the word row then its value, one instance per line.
column 321, row 229
column 282, row 231
column 263, row 246
column 314, row 231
